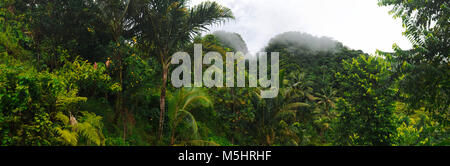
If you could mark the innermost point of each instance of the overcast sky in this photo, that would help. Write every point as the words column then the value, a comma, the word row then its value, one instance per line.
column 358, row 24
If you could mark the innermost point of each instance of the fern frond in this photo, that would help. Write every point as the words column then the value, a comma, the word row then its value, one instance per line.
column 87, row 131
column 67, row 137
column 63, row 118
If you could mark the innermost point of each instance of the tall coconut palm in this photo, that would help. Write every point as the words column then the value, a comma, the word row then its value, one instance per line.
column 168, row 25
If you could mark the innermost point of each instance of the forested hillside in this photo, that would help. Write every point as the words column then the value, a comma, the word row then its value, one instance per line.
column 97, row 73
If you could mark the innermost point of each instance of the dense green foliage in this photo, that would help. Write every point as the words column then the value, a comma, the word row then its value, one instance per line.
column 367, row 105
column 95, row 72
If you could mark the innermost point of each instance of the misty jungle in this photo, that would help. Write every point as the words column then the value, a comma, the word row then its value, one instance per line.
column 97, row 73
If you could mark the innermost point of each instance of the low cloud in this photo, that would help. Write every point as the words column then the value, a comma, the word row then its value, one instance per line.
column 232, row 40
column 357, row 24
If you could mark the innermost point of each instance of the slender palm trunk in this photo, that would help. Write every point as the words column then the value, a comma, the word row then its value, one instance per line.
column 120, row 97
column 162, row 102
column 174, row 126
column 172, row 139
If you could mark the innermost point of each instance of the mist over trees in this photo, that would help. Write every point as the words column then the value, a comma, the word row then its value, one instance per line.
column 303, row 43
column 232, row 40
column 95, row 73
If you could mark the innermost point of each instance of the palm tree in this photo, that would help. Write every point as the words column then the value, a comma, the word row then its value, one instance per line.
column 272, row 111
column 283, row 108
column 297, row 80
column 168, row 25
column 326, row 100
column 302, row 86
column 179, row 106
column 118, row 16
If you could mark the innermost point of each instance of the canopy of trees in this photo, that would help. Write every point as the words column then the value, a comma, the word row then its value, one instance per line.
column 95, row 72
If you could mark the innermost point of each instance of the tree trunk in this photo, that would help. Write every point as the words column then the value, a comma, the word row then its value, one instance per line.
column 120, row 96
column 162, row 102
column 121, row 100
column 172, row 140
column 174, row 127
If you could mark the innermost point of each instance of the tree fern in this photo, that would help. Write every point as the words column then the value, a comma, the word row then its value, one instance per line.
column 88, row 129
column 67, row 137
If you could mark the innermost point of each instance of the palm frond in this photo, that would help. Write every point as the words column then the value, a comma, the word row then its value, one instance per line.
column 206, row 14
column 193, row 121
